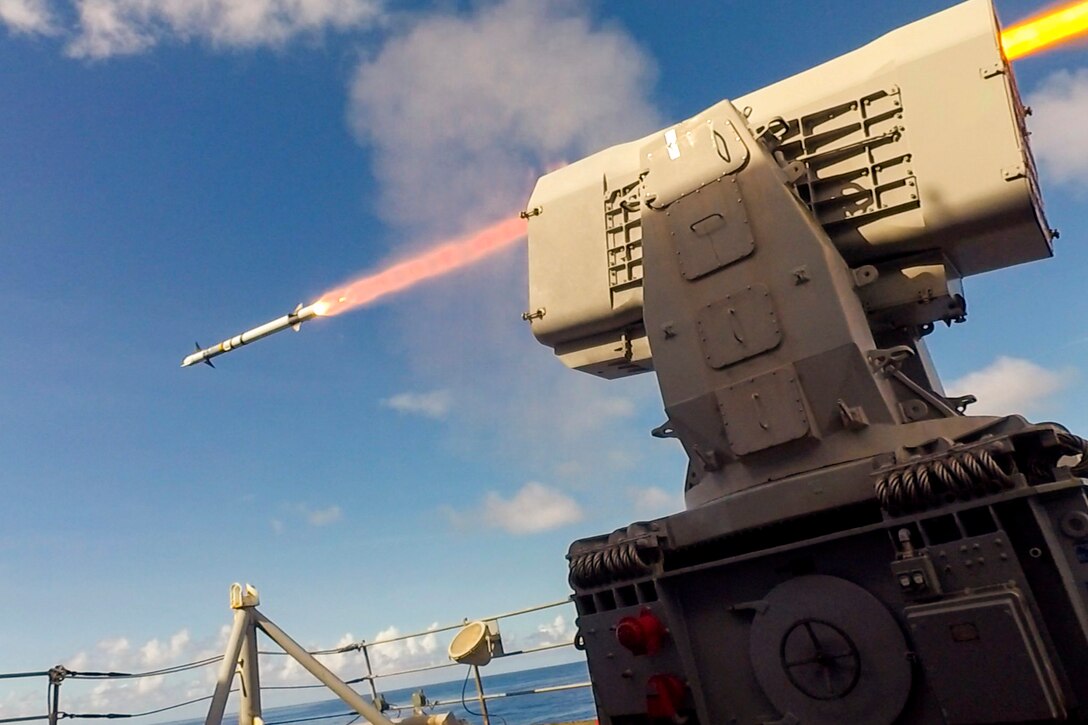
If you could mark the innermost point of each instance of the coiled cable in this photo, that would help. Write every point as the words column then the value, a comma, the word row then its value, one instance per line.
column 963, row 474
column 608, row 564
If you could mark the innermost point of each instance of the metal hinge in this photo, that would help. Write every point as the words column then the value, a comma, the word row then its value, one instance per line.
column 1010, row 173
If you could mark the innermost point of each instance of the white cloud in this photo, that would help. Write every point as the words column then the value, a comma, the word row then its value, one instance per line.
column 1060, row 106
column 462, row 111
column 532, row 509
column 121, row 27
column 27, row 16
column 322, row 517
column 435, row 404
column 147, row 685
column 654, row 501
column 1011, row 385
column 114, row 648
column 155, row 654
column 557, row 631
column 405, row 653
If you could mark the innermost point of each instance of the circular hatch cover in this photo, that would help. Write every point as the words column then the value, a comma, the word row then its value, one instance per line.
column 828, row 652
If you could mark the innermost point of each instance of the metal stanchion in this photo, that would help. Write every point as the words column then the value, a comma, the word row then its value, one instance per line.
column 480, row 694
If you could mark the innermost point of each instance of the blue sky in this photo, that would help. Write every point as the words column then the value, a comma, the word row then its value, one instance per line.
column 171, row 176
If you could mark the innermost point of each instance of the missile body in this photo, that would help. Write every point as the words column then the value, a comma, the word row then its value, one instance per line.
column 293, row 319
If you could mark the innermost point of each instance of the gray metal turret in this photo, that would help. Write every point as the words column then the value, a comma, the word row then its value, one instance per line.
column 855, row 548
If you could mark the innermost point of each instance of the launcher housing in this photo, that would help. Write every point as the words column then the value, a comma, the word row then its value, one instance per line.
column 855, row 548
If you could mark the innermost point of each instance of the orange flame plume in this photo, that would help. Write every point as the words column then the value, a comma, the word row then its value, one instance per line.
column 1055, row 26
column 434, row 262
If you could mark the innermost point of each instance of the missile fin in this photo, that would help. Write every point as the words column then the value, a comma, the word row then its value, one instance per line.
column 206, row 361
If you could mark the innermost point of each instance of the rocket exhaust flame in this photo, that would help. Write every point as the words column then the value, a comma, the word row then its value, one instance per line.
column 1044, row 31
column 437, row 261
column 434, row 262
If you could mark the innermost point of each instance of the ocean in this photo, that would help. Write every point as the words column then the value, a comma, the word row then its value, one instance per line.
column 533, row 709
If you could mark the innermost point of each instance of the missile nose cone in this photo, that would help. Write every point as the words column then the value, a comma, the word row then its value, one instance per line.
column 194, row 357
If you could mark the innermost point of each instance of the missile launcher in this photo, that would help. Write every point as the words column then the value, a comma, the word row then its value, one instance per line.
column 855, row 547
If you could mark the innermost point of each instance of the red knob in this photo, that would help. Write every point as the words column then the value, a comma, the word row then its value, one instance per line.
column 665, row 696
column 641, row 635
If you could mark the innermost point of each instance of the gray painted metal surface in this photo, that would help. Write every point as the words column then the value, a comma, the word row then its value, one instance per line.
column 855, row 548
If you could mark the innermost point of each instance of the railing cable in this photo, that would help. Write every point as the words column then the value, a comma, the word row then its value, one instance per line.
column 173, row 669
column 17, row 675
column 25, row 718
column 353, row 647
column 313, row 718
column 123, row 715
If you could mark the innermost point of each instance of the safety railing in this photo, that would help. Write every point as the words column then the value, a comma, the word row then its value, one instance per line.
column 242, row 657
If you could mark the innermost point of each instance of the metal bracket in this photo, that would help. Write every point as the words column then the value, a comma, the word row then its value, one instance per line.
column 961, row 402
column 537, row 315
column 1011, row 173
column 853, row 417
column 535, row 211
column 776, row 129
column 913, row 410
column 665, row 430
column 795, row 171
column 865, row 274
column 889, row 361
column 757, row 606
column 712, row 460
column 243, row 598
column 928, row 449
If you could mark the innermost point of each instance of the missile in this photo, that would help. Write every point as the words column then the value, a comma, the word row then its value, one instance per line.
column 293, row 319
